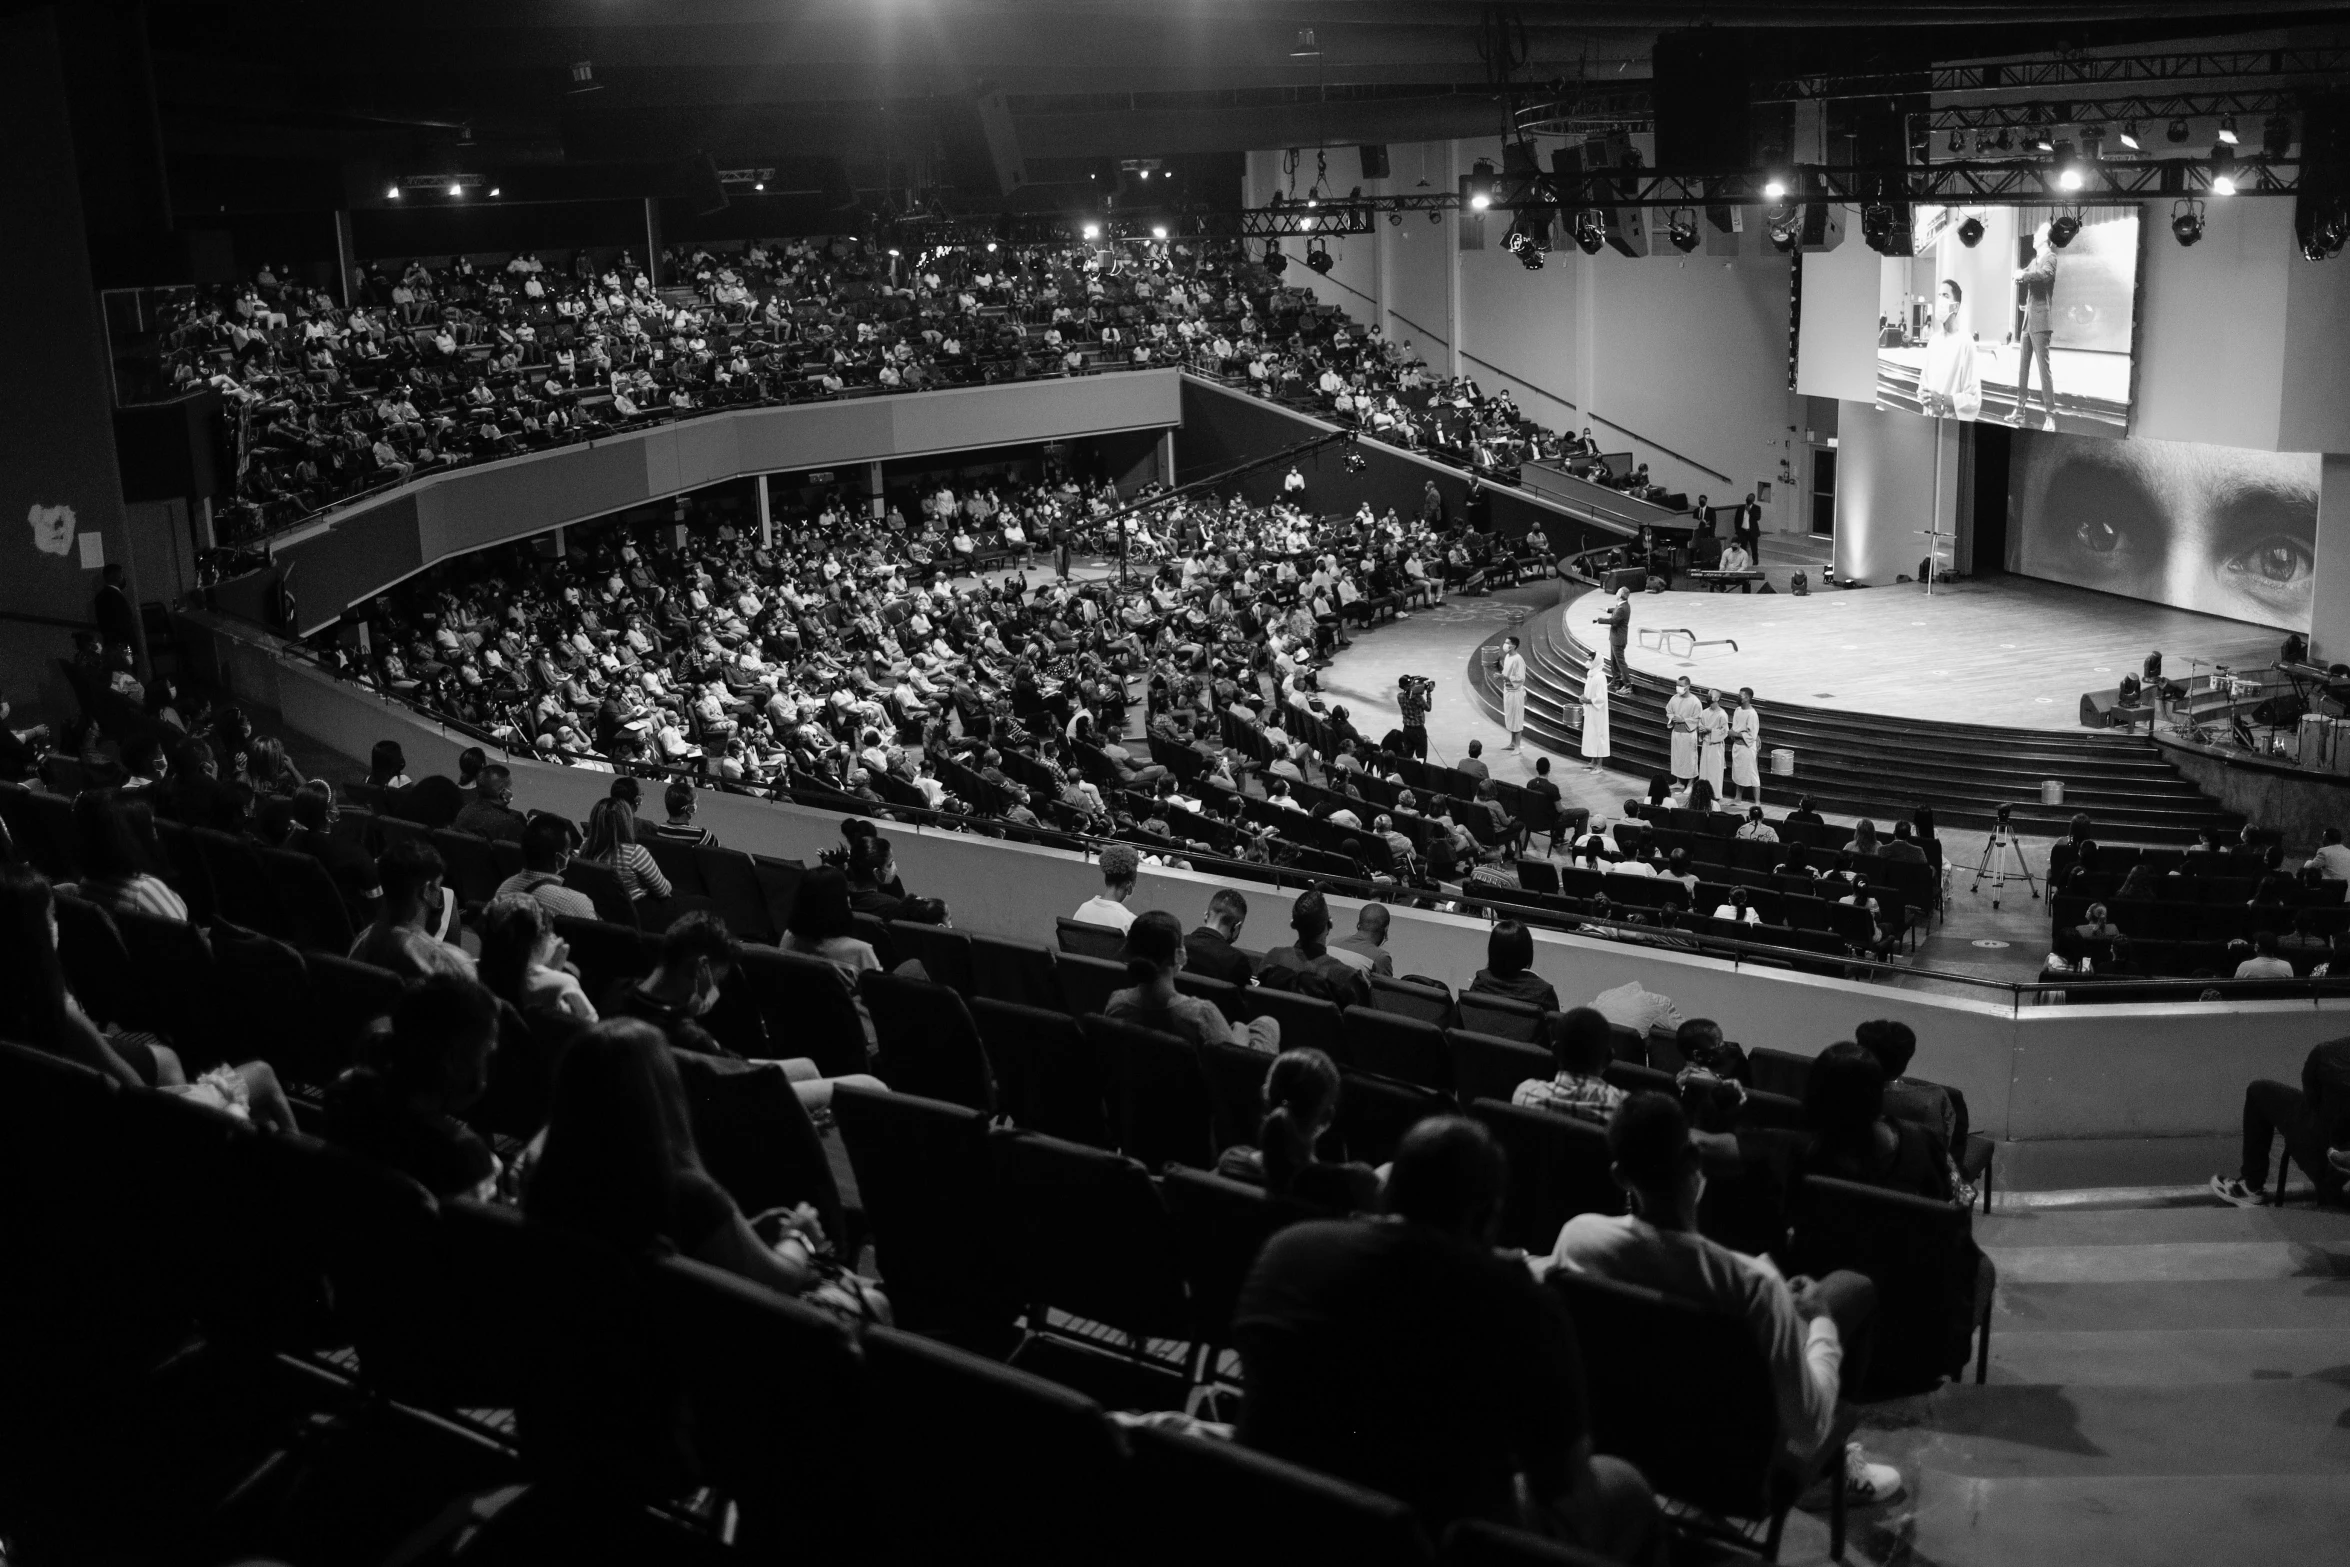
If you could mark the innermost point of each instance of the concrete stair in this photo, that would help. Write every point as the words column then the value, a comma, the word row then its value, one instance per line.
column 2169, row 1385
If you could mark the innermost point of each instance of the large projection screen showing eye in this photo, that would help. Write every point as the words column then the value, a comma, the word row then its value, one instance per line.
column 2218, row 529
column 2012, row 326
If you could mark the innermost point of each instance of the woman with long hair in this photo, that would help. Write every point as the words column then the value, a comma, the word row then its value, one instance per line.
column 611, row 840
column 1301, row 1103
column 619, row 1163
column 38, row 1008
column 117, row 846
column 522, row 959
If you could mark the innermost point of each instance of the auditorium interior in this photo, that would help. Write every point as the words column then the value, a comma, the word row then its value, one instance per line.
column 1257, row 764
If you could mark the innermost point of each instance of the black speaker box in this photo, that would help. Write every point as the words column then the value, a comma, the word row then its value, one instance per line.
column 1633, row 577
column 1374, row 160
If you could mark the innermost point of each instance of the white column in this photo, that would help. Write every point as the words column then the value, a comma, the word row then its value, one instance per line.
column 1452, row 264
column 1167, row 458
column 766, row 516
column 873, row 484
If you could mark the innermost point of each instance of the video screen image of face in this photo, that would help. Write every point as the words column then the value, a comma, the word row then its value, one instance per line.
column 2218, row 529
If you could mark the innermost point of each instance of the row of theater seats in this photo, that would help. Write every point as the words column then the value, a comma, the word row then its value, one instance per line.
column 648, row 1405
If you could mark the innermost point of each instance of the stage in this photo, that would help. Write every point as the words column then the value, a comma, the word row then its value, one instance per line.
column 2003, row 650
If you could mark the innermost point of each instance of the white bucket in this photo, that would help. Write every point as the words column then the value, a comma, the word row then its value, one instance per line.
column 2052, row 791
column 1782, row 763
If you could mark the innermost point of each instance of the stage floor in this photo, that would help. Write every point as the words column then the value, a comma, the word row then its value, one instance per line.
column 2005, row 650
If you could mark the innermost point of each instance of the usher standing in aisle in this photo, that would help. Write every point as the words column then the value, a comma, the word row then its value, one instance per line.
column 1746, row 747
column 1513, row 689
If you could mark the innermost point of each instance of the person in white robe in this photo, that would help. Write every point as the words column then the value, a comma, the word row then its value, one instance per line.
column 1681, row 710
column 1513, row 689
column 1595, row 742
column 1746, row 747
column 1713, row 734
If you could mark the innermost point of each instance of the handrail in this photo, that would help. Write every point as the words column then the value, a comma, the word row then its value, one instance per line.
column 1600, row 418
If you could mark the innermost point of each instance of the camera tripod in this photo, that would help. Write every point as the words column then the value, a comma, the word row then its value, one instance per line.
column 2000, row 850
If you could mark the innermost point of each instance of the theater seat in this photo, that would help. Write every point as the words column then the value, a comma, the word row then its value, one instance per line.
column 1559, row 1167
column 1199, row 1500
column 926, row 1042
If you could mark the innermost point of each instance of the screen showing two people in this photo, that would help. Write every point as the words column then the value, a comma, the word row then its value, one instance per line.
column 2022, row 314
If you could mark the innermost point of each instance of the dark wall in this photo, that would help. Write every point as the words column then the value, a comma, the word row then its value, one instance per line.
column 424, row 230
column 56, row 415
column 1222, row 429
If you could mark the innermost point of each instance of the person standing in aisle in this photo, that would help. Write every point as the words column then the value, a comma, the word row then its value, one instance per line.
column 1513, row 689
column 1746, row 748
column 1618, row 620
column 1681, row 710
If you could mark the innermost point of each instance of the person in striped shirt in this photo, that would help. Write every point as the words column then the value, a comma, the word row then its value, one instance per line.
column 611, row 840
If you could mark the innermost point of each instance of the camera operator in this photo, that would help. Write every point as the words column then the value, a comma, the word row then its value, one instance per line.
column 1413, row 696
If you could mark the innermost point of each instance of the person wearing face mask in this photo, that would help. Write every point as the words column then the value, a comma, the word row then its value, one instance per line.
column 1950, row 386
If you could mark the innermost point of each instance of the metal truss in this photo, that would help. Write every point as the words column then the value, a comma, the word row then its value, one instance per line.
column 2015, row 183
column 1624, row 109
column 2078, row 70
column 2036, row 113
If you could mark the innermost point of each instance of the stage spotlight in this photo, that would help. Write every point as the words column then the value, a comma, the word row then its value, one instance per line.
column 392, row 192
column 1682, row 230
column 493, row 190
column 1528, row 253
column 991, row 247
column 2069, row 175
column 1590, row 232
column 456, row 189
column 1982, row 143
column 1481, row 184
column 1158, row 231
column 2177, row 131
column 2276, row 136
column 1275, row 262
column 2061, row 232
column 2223, row 184
column 1091, row 231
column 1787, row 231
column 1775, row 188
column 2227, row 129
column 1395, row 220
column 2130, row 136
column 1318, row 256
column 1970, row 233
column 2003, row 140
column 1435, row 216
column 2186, row 220
column 1957, row 141
column 2043, row 141
column 758, row 184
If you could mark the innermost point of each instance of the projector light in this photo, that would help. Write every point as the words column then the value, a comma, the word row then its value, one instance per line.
column 392, row 192
column 1775, row 188
column 2069, row 177
column 1275, row 262
column 456, row 189
column 2062, row 232
column 1528, row 253
column 2177, row 131
column 1318, row 257
column 2130, row 135
column 2227, row 130
column 1091, row 231
column 1477, row 203
column 1682, row 231
column 2223, row 185
column 1158, row 231
column 1970, row 233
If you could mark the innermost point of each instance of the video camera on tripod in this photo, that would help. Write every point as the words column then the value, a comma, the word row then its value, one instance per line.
column 2001, row 850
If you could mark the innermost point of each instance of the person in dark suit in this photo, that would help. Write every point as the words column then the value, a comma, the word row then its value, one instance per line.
column 1209, row 950
column 1618, row 620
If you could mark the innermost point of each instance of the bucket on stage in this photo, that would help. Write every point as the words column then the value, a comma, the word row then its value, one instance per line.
column 1782, row 763
column 2052, row 791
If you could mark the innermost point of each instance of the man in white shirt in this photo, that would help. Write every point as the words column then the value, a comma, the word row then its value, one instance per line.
column 2332, row 859
column 1630, row 1006
column 1806, row 1328
column 1120, row 867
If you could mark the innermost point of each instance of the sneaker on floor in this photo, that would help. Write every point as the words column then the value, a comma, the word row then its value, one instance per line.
column 1866, row 1483
column 2232, row 1189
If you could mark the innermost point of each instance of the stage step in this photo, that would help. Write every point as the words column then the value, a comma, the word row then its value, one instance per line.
column 1865, row 765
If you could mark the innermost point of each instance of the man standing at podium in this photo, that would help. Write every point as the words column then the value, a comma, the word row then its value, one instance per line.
column 1513, row 689
column 1681, row 710
column 1746, row 747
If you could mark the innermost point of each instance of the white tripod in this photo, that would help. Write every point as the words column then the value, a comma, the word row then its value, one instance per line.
column 2000, row 851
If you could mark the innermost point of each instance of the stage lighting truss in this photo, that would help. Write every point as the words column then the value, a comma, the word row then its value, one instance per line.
column 2071, row 70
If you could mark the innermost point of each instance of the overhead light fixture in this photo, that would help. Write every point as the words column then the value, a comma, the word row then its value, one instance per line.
column 493, row 190
column 1982, row 142
column 2177, row 132
column 2004, row 140
column 583, row 77
column 1957, row 141
column 1681, row 229
column 2186, row 220
column 1775, row 188
column 1395, row 220
column 2043, row 141
column 758, row 184
column 1142, row 174
column 2130, row 135
column 2276, row 136
column 1275, row 262
column 2227, row 129
column 392, row 192
column 1481, row 184
column 1970, row 233
column 1318, row 256
column 1158, row 231
column 2068, row 167
column 1590, row 231
column 1435, row 216
column 991, row 247
column 1091, row 231
column 1305, row 223
column 1305, row 48
column 2223, row 184
column 2062, row 231
column 1786, row 232
column 1520, row 245
column 456, row 189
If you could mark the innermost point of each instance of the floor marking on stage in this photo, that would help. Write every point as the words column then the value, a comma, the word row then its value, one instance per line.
column 1989, row 945
column 2043, row 699
column 2101, row 669
column 2007, row 644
